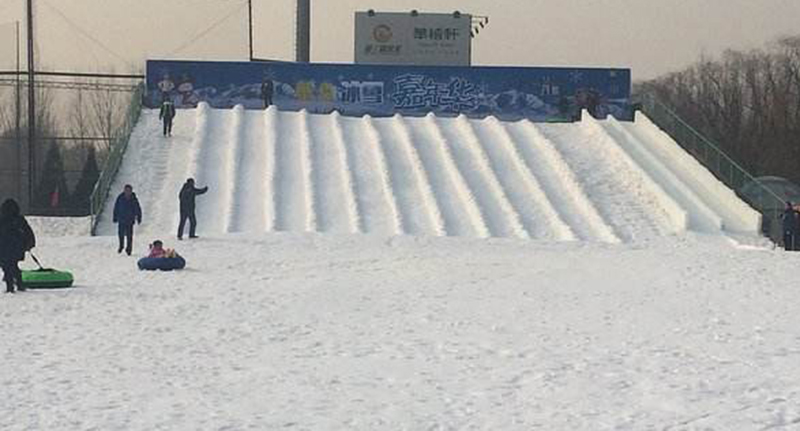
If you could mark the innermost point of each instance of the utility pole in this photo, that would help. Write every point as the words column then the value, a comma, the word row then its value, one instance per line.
column 31, row 111
column 250, row 17
column 303, row 29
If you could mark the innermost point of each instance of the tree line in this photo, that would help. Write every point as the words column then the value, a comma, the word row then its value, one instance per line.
column 746, row 102
column 67, row 169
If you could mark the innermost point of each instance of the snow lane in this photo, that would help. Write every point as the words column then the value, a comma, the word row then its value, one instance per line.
column 501, row 216
column 247, row 211
column 701, row 218
column 676, row 220
column 307, row 169
column 291, row 182
column 143, row 145
column 372, row 182
column 460, row 214
column 334, row 202
column 559, row 182
column 416, row 205
column 737, row 216
column 343, row 157
column 537, row 213
column 184, row 132
column 214, row 162
column 267, row 181
column 232, row 181
column 615, row 190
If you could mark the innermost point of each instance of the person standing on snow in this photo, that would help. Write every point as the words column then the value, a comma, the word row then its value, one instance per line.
column 791, row 226
column 266, row 92
column 166, row 115
column 186, row 198
column 126, row 212
column 16, row 238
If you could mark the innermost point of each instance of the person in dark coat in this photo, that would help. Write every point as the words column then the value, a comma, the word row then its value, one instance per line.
column 266, row 92
column 791, row 228
column 186, row 197
column 16, row 238
column 126, row 212
column 166, row 115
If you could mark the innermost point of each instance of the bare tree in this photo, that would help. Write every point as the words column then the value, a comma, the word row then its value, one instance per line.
column 748, row 102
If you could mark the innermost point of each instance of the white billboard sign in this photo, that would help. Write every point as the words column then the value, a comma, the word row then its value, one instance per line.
column 424, row 39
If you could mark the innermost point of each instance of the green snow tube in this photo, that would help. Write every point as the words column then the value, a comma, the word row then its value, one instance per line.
column 46, row 278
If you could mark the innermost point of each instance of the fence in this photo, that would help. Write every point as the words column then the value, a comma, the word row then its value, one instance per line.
column 715, row 160
column 118, row 146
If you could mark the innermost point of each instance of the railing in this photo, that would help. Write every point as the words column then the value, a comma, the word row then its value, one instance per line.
column 119, row 143
column 715, row 160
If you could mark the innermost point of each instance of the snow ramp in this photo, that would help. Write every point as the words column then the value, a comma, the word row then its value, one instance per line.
column 595, row 180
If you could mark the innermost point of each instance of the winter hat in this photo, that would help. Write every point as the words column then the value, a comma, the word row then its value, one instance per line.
column 10, row 208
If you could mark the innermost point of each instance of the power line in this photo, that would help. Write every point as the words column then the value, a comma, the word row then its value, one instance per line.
column 84, row 33
column 206, row 31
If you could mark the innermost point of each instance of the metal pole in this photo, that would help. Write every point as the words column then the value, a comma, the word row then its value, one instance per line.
column 31, row 110
column 17, row 135
column 250, row 18
column 303, row 31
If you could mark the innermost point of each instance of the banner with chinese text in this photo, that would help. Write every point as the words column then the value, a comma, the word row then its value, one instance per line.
column 539, row 94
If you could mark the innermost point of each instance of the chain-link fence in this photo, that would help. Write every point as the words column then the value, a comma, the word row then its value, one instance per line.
column 78, row 122
column 117, row 149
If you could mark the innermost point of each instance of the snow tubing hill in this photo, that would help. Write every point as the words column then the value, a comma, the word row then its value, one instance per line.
column 46, row 278
column 161, row 263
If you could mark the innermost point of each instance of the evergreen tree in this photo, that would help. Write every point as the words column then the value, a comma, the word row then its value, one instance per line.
column 89, row 175
column 51, row 191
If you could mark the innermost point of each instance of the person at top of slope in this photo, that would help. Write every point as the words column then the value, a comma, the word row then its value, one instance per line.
column 186, row 197
column 791, row 227
column 267, row 89
column 16, row 238
column 126, row 212
column 166, row 115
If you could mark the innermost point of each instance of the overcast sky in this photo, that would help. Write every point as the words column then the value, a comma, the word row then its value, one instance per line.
column 649, row 36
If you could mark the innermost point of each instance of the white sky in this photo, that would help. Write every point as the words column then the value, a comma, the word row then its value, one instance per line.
column 649, row 36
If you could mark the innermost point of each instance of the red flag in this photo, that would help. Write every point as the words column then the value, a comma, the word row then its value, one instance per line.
column 54, row 198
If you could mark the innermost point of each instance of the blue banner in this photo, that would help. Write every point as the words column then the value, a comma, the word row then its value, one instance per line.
column 539, row 94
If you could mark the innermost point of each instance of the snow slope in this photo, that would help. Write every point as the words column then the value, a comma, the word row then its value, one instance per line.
column 286, row 171
column 361, row 332
column 515, row 276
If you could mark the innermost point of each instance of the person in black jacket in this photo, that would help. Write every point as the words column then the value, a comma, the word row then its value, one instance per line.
column 126, row 212
column 16, row 238
column 166, row 114
column 791, row 228
column 186, row 197
column 266, row 92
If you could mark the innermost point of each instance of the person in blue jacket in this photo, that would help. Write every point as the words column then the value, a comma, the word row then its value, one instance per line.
column 126, row 212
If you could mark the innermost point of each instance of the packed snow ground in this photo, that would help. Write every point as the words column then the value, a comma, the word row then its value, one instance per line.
column 513, row 276
column 321, row 332
column 269, row 171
